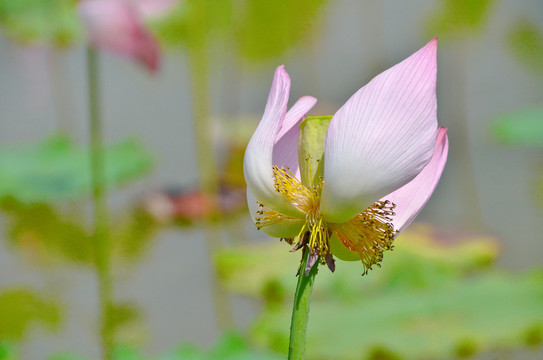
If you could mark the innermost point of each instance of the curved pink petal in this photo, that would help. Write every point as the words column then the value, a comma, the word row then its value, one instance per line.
column 382, row 137
column 116, row 25
column 411, row 198
column 257, row 163
column 286, row 228
column 285, row 151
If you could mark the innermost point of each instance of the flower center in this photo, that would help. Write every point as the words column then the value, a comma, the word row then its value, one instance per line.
column 368, row 234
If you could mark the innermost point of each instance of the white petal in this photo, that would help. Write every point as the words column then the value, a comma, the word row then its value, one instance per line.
column 258, row 160
column 382, row 137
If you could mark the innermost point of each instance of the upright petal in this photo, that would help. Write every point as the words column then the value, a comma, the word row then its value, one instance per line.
column 285, row 151
column 257, row 163
column 411, row 198
column 382, row 137
column 116, row 25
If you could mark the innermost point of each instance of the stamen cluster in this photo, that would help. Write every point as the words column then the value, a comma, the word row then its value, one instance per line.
column 369, row 233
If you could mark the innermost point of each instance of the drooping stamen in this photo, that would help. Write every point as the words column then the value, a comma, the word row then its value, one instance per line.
column 369, row 233
column 315, row 233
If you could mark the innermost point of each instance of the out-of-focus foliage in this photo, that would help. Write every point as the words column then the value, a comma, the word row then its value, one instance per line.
column 37, row 21
column 458, row 318
column 45, row 235
column 193, row 21
column 459, row 17
column 57, row 169
column 66, row 356
column 266, row 29
column 436, row 295
column 230, row 346
column 257, row 30
column 525, row 40
column 267, row 270
column 20, row 309
column 520, row 128
column 7, row 351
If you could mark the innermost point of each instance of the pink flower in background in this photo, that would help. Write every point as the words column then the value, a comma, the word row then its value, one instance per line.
column 117, row 25
column 383, row 157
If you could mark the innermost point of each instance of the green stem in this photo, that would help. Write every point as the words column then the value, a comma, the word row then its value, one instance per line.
column 300, row 310
column 101, row 226
column 207, row 166
column 203, row 132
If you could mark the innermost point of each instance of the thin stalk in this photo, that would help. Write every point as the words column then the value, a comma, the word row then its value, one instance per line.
column 207, row 169
column 300, row 310
column 207, row 159
column 472, row 209
column 101, row 223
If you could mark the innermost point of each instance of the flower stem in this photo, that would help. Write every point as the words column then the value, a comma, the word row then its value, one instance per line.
column 300, row 310
column 198, row 59
column 101, row 229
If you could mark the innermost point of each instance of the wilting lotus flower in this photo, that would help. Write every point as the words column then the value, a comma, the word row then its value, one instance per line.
column 117, row 25
column 371, row 170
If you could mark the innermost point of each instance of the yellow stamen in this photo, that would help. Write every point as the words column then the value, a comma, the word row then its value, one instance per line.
column 290, row 187
column 369, row 233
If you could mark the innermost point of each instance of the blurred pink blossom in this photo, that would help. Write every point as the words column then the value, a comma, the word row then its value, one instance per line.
column 152, row 9
column 118, row 26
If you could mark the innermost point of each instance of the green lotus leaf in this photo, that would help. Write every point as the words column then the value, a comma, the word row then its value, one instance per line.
column 457, row 319
column 57, row 169
column 52, row 22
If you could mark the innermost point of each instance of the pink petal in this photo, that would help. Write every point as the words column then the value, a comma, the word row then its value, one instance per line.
column 285, row 151
column 411, row 198
column 115, row 25
column 257, row 163
column 382, row 137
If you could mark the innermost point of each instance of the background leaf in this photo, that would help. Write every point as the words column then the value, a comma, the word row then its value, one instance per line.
column 267, row 29
column 20, row 309
column 40, row 21
column 520, row 128
column 436, row 296
column 457, row 319
column 46, row 234
column 459, row 17
column 526, row 42
column 56, row 169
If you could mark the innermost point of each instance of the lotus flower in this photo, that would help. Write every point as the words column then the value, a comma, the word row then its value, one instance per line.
column 374, row 164
column 117, row 25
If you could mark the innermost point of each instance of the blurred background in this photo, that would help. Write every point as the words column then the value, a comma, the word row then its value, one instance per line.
column 123, row 223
